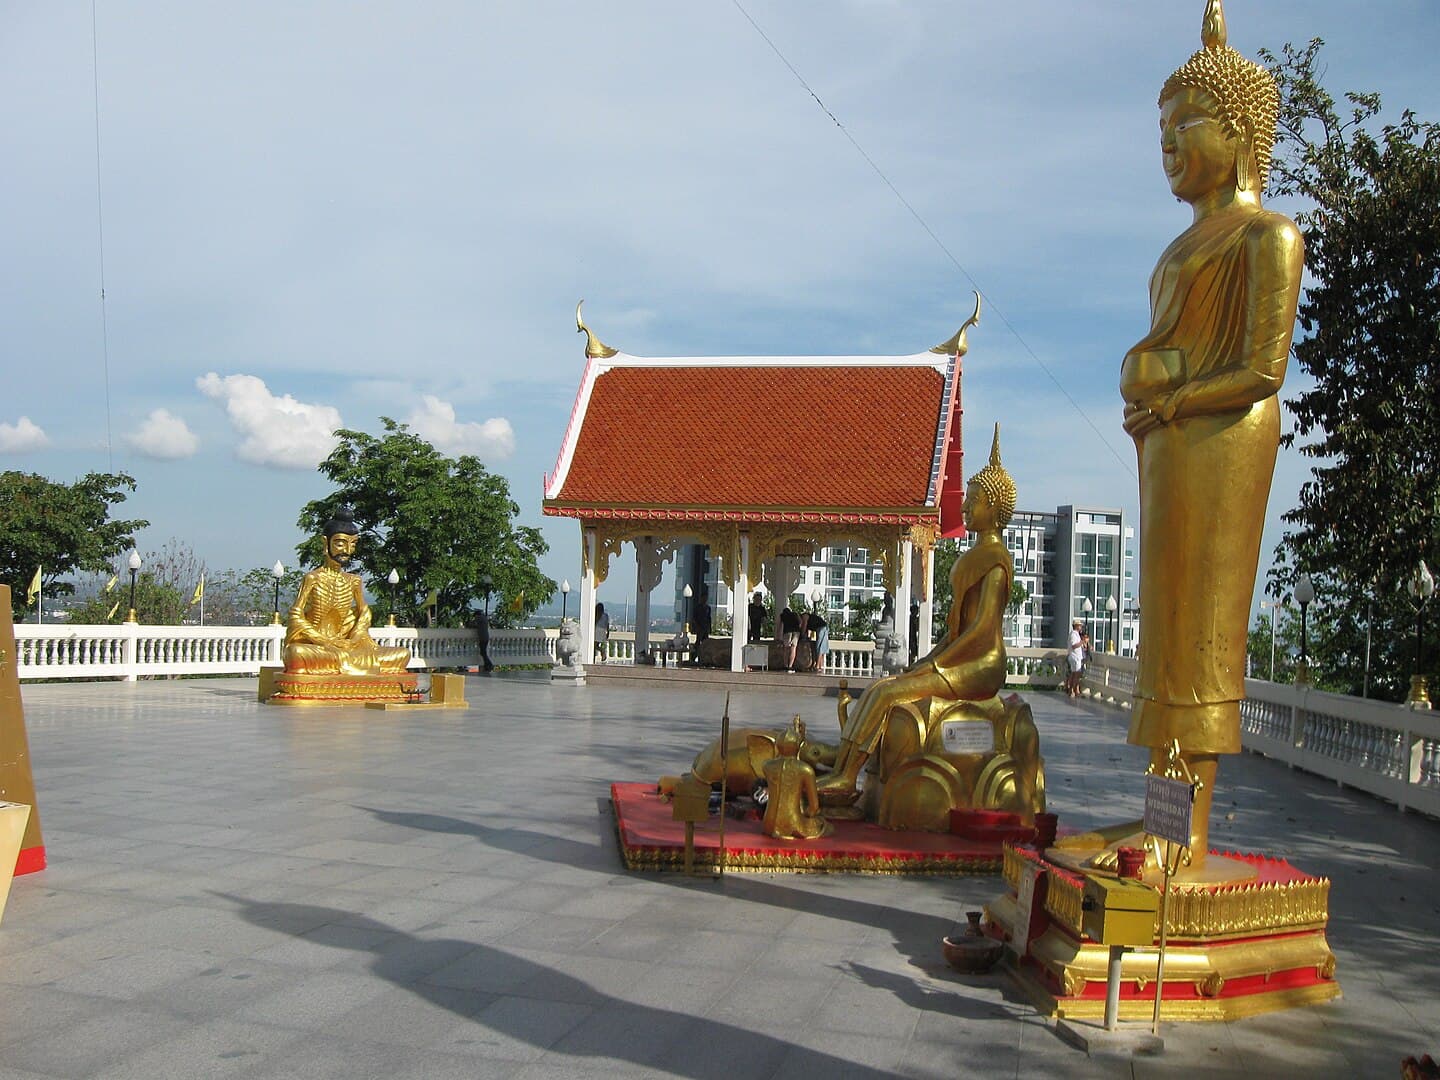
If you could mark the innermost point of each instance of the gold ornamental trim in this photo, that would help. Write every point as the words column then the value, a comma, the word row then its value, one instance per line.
column 653, row 859
column 1064, row 899
column 750, row 514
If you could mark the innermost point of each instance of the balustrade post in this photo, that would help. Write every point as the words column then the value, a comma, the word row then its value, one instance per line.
column 129, row 650
column 1297, row 719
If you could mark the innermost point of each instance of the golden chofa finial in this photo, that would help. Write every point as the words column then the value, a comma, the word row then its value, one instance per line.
column 1212, row 30
column 595, row 349
column 957, row 346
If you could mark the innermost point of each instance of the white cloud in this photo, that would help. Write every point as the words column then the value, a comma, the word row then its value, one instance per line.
column 164, row 437
column 22, row 435
column 278, row 431
column 434, row 420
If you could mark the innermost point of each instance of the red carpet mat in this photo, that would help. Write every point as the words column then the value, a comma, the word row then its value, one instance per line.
column 652, row 840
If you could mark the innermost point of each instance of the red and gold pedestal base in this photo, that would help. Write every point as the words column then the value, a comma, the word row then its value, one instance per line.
column 1234, row 950
column 293, row 689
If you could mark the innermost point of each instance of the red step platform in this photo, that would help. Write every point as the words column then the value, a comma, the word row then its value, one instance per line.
column 652, row 840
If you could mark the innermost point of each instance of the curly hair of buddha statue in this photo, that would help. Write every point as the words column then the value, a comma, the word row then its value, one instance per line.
column 997, row 484
column 1248, row 99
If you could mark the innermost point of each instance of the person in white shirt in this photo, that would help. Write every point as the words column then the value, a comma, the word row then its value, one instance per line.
column 1075, row 658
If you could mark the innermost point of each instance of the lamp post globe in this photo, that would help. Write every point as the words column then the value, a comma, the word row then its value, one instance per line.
column 394, row 579
column 688, row 592
column 564, row 599
column 1110, row 607
column 133, row 562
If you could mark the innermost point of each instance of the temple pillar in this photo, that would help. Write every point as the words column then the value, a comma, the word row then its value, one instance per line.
column 650, row 558
column 740, row 604
column 904, row 588
column 585, row 618
column 927, row 602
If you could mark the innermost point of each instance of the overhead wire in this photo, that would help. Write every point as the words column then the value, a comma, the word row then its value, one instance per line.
column 100, row 221
column 924, row 225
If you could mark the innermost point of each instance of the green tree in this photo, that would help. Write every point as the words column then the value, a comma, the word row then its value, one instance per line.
column 1370, row 417
column 63, row 528
column 441, row 523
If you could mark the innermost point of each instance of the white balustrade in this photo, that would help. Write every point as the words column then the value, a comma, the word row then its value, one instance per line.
column 130, row 651
column 1374, row 746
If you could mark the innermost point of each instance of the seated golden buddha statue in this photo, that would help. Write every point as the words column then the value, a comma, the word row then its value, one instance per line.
column 328, row 631
column 945, row 737
column 792, row 810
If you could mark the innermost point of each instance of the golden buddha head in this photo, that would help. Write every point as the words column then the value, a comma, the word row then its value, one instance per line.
column 341, row 535
column 1218, row 88
column 990, row 495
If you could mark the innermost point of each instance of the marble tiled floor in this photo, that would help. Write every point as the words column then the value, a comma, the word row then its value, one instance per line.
column 238, row 890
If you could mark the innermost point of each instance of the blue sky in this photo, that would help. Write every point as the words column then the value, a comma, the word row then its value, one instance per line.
column 316, row 213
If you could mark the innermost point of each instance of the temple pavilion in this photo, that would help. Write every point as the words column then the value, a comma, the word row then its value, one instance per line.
column 764, row 460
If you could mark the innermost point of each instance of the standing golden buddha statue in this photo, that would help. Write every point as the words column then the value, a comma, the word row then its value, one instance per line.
column 1200, row 402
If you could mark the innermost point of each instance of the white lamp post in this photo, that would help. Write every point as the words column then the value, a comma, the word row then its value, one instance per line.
column 564, row 599
column 134, row 563
column 278, row 573
column 1304, row 596
column 1272, row 605
column 689, row 592
column 1110, row 606
column 1421, row 586
column 394, row 579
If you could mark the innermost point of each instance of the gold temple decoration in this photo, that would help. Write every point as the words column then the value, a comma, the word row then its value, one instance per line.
column 595, row 349
column 957, row 346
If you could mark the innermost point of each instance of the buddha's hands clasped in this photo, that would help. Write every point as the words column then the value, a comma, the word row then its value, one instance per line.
column 1141, row 419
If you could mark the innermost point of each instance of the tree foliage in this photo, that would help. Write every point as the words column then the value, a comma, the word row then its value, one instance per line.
column 1370, row 322
column 441, row 523
column 63, row 528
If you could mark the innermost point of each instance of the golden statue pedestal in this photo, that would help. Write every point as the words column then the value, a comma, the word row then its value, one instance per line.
column 1234, row 949
column 939, row 755
column 295, row 689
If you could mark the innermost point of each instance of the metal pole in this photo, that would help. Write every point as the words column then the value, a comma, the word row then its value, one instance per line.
column 1112, row 987
column 1272, row 642
column 1369, row 622
column 1160, row 960
column 724, row 783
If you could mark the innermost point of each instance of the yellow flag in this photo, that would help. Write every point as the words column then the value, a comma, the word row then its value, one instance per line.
column 34, row 590
column 111, row 613
column 518, row 604
column 199, row 592
column 110, row 585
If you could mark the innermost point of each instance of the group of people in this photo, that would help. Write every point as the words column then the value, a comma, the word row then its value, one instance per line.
column 816, row 632
column 1079, row 652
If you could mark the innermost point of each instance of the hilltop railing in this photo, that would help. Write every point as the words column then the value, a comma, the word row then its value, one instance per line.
column 1373, row 746
column 130, row 651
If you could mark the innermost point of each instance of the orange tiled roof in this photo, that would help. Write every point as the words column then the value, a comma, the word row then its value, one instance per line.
column 753, row 437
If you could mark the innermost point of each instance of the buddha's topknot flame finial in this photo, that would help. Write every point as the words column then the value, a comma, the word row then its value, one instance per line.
column 995, row 447
column 1212, row 30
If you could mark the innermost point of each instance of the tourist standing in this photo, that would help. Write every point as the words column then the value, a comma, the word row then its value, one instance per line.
column 602, row 632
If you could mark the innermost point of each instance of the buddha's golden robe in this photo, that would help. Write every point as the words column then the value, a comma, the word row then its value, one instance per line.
column 1223, row 298
column 328, row 630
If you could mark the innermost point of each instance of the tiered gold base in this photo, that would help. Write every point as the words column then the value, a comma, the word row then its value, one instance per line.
column 1235, row 950
column 293, row 689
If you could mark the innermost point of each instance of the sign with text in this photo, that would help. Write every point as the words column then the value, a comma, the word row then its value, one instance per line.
column 967, row 736
column 1025, row 905
column 1168, row 808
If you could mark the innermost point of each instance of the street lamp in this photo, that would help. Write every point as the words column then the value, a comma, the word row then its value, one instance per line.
column 1110, row 606
column 394, row 579
column 1305, row 596
column 689, row 592
column 564, row 599
column 278, row 573
column 1134, row 614
column 134, row 563
column 1421, row 586
column 487, row 583
column 1272, row 605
